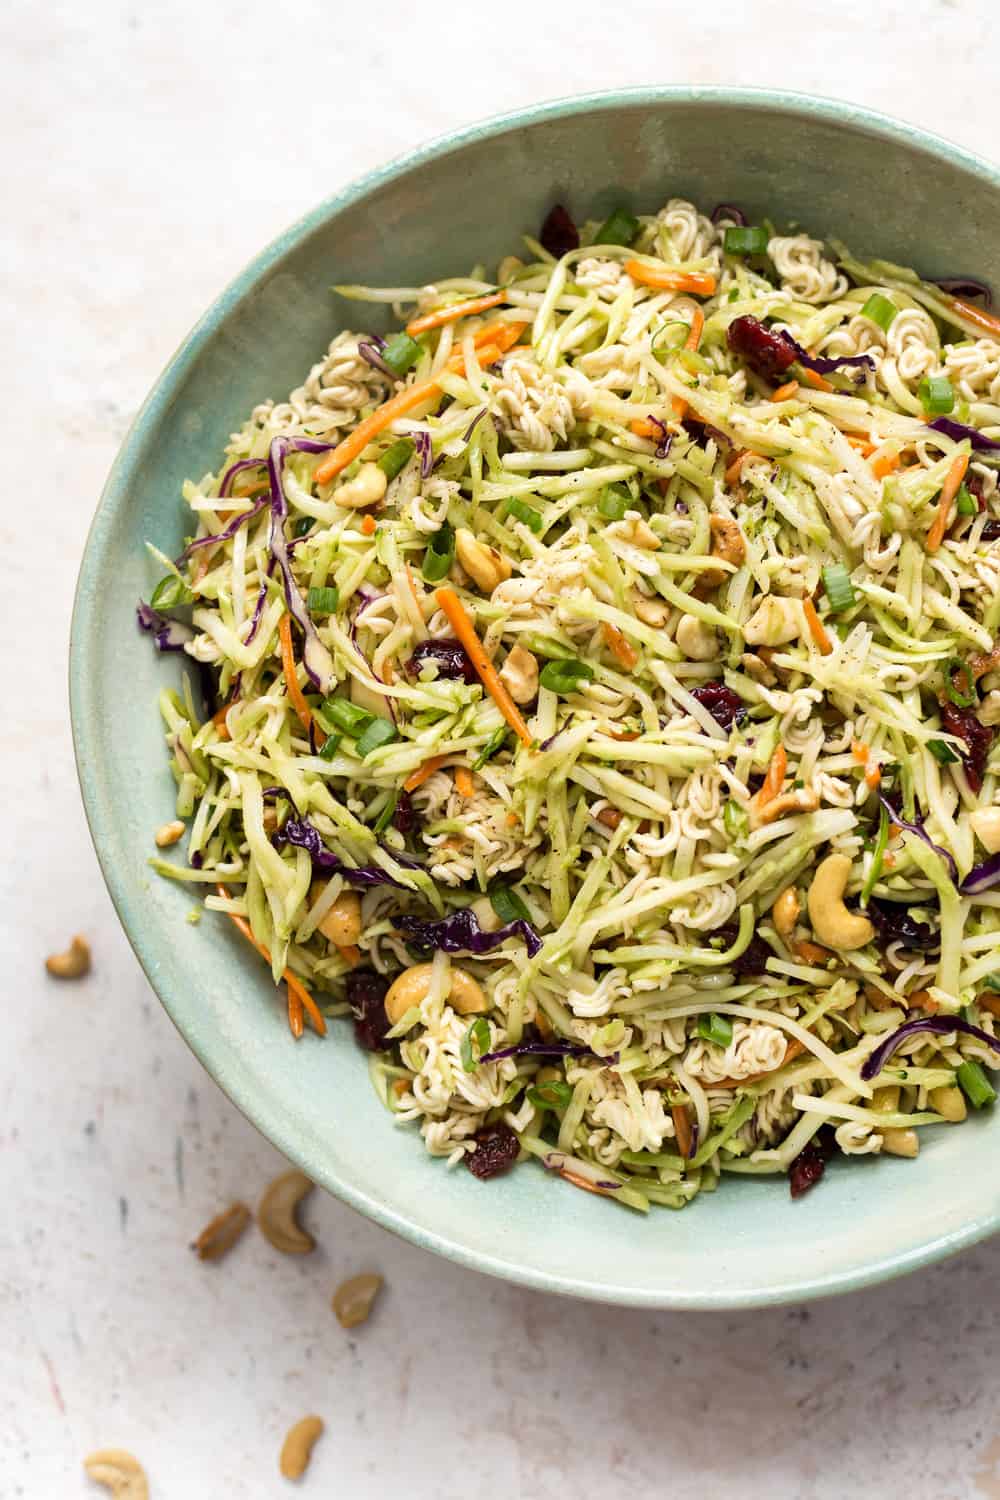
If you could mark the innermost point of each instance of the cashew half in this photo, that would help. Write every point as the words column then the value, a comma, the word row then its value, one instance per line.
column 485, row 565
column 276, row 1214
column 985, row 824
column 697, row 640
column 650, row 611
column 988, row 711
column 901, row 1142
column 120, row 1472
column 169, row 834
column 801, row 799
column 72, row 964
column 342, row 923
column 366, row 488
column 949, row 1102
column 727, row 545
column 785, row 911
column 774, row 622
column 411, row 987
column 832, row 923
column 519, row 674
column 297, row 1448
column 508, row 269
column 352, row 1301
column 218, row 1237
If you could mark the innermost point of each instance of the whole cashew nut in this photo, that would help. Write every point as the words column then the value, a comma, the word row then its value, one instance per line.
column 119, row 1472
column 72, row 964
column 411, row 987
column 366, row 488
column 297, row 1448
column 697, row 640
column 832, row 923
column 485, row 565
column 276, row 1214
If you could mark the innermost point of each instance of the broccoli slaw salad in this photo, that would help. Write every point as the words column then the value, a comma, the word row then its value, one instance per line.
column 602, row 674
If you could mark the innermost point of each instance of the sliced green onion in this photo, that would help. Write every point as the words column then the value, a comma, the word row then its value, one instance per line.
column 735, row 820
column 440, row 554
column 749, row 239
column 965, row 503
column 880, row 310
column 346, row 715
column 374, row 735
column 474, row 1043
column 936, row 394
column 329, row 747
column 493, row 745
column 565, row 676
column 618, row 229
column 526, row 513
column 942, row 752
column 975, row 1085
column 385, row 817
column 302, row 526
column 549, row 1095
column 543, row 645
column 875, row 869
column 400, row 353
column 838, row 587
column 614, row 501
column 508, row 905
column 170, row 592
column 325, row 601
column 396, row 458
column 966, row 698
column 669, row 336
column 717, row 1029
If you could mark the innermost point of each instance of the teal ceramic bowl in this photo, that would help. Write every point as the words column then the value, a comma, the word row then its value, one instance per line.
column 829, row 166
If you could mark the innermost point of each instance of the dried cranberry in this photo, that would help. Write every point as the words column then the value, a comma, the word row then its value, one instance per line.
column 990, row 531
column 754, row 956
column 449, row 656
column 497, row 1149
column 726, row 707
column 768, row 354
column 896, row 925
column 977, row 738
column 806, row 1170
column 366, row 992
column 975, row 484
column 404, row 819
column 558, row 234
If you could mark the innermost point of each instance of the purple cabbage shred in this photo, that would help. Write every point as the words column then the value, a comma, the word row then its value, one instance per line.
column 935, row 1025
column 168, row 634
column 460, row 932
column 959, row 431
column 422, row 443
column 369, row 351
column 965, row 286
column 917, row 827
column 732, row 213
column 303, row 835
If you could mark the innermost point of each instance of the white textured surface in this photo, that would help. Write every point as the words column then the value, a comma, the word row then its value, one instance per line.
column 152, row 148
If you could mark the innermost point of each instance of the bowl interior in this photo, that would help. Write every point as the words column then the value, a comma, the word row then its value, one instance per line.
column 832, row 169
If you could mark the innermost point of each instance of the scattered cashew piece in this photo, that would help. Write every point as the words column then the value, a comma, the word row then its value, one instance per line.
column 697, row 640
column 988, row 711
column 650, row 611
column 774, row 622
column 901, row 1142
column 277, row 1214
column 72, row 964
column 410, row 988
column 169, row 833
column 832, row 923
column 800, row 799
column 485, row 565
column 297, row 1448
column 118, row 1471
column 785, row 911
column 985, row 824
column 366, row 488
column 949, row 1102
column 353, row 1299
column 342, row 923
column 519, row 674
column 220, row 1235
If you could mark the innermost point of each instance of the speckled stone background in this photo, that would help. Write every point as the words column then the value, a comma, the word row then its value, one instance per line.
column 149, row 150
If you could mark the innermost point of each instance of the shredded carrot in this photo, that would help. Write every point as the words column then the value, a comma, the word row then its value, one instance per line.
column 645, row 427
column 682, row 1128
column 884, row 460
column 696, row 330
column 512, row 820
column 219, row 720
column 775, row 778
column 701, row 283
column 458, row 619
column 368, row 525
column 816, row 629
column 949, row 490
column 422, row 773
column 988, row 322
column 501, row 337
column 864, row 446
column 464, row 784
column 583, row 1182
column 733, row 472
column 859, row 750
column 810, row 953
column 454, row 312
column 299, row 997
column 296, row 699
column 787, row 391
column 620, row 646
column 988, row 1002
column 815, row 380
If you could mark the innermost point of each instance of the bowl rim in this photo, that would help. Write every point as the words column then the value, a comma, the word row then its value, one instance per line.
column 84, row 623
